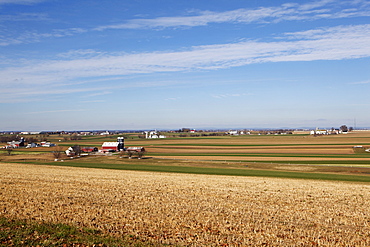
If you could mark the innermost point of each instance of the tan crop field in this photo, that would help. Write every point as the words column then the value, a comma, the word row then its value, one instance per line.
column 190, row 210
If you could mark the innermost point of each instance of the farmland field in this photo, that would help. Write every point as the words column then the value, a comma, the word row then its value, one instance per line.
column 190, row 210
column 258, row 203
column 300, row 149
column 281, row 149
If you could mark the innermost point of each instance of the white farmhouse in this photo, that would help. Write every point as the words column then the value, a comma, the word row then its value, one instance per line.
column 232, row 132
column 153, row 134
column 319, row 132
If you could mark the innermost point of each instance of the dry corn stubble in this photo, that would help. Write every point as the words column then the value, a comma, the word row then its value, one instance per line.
column 192, row 210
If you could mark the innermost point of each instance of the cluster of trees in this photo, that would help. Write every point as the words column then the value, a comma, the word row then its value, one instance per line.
column 203, row 134
column 187, row 134
column 57, row 153
column 130, row 153
column 10, row 138
column 344, row 128
column 73, row 137
column 273, row 132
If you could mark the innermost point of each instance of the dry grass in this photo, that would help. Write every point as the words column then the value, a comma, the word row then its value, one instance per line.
column 191, row 210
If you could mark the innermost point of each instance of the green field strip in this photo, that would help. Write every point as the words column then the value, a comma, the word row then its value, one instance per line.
column 363, row 163
column 212, row 171
column 22, row 232
column 260, row 145
column 346, row 156
column 79, row 144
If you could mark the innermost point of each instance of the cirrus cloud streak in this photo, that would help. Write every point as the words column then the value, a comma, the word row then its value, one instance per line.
column 334, row 43
column 324, row 9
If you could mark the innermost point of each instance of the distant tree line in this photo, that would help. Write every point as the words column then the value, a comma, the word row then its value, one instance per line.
column 10, row 138
column 73, row 137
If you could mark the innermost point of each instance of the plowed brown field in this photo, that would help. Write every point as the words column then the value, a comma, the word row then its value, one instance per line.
column 191, row 210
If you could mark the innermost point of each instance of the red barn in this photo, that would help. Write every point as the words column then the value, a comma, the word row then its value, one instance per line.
column 109, row 147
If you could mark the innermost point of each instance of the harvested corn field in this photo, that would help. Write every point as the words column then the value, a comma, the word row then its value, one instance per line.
column 190, row 210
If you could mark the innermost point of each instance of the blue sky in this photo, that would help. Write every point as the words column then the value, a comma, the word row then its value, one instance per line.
column 144, row 64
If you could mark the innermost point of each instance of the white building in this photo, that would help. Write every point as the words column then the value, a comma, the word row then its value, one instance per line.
column 47, row 144
column 153, row 135
column 232, row 132
column 326, row 132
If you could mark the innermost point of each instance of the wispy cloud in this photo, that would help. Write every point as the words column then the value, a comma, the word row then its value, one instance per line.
column 31, row 37
column 55, row 111
column 98, row 94
column 325, row 9
column 361, row 82
column 93, row 101
column 82, row 53
column 335, row 43
column 25, row 17
column 172, row 99
column 222, row 96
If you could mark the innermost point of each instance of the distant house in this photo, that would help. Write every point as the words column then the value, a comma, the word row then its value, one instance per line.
column 16, row 144
column 232, row 132
column 30, row 132
column 47, row 144
column 85, row 133
column 153, row 135
column 32, row 145
column 319, row 132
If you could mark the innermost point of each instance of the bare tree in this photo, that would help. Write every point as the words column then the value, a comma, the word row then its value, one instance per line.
column 129, row 154
column 77, row 150
column 140, row 154
column 57, row 153
column 9, row 150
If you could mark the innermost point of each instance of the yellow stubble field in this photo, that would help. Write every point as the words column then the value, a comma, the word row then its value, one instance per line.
column 191, row 210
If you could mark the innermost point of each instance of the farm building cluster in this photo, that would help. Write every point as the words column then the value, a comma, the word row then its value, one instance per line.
column 107, row 147
column 153, row 134
column 332, row 131
column 22, row 143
